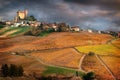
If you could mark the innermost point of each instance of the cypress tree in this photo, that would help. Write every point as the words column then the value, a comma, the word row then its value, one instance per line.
column 5, row 70
column 20, row 71
column 12, row 70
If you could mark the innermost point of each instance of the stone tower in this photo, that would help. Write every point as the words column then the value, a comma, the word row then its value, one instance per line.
column 21, row 15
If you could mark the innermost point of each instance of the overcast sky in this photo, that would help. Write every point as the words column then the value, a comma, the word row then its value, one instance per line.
column 95, row 14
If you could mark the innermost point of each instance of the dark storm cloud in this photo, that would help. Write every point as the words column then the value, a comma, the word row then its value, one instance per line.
column 110, row 4
column 97, row 14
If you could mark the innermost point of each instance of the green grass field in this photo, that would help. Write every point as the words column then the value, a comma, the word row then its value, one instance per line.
column 8, row 29
column 105, row 49
column 21, row 30
column 60, row 71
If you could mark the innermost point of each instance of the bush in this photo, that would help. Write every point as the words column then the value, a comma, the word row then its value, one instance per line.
column 89, row 76
column 46, row 32
column 91, row 53
column 1, row 26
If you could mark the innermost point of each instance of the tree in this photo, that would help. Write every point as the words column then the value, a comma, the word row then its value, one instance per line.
column 62, row 27
column 2, row 25
column 41, row 26
column 5, row 70
column 89, row 76
column 77, row 74
column 31, row 18
column 13, row 70
column 16, row 70
column 91, row 53
column 20, row 71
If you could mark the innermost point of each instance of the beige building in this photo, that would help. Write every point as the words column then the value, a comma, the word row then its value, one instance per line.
column 75, row 28
column 21, row 15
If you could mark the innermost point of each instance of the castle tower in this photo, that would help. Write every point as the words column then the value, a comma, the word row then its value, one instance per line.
column 26, row 12
column 21, row 15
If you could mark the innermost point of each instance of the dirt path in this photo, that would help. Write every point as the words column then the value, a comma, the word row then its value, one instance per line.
column 80, row 63
column 108, row 69
column 8, row 33
column 81, row 60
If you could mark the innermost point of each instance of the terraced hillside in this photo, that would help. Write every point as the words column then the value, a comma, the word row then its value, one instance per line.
column 109, row 55
column 62, row 53
column 62, row 57
column 29, row 65
column 116, row 43
column 91, row 63
column 54, row 40
column 114, row 64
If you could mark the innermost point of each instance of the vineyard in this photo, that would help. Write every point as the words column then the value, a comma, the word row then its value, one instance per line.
column 105, row 49
column 54, row 40
column 114, row 64
column 65, row 57
column 29, row 65
column 91, row 63
column 116, row 43
column 63, row 53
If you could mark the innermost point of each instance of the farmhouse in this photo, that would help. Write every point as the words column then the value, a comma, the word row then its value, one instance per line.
column 9, row 22
column 90, row 31
column 99, row 32
column 35, row 23
column 75, row 28
column 54, row 26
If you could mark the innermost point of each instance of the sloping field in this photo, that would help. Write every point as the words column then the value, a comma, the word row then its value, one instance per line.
column 55, row 40
column 91, row 63
column 13, row 31
column 105, row 49
column 8, row 33
column 10, row 43
column 29, row 65
column 63, row 57
column 116, row 43
column 114, row 64
column 74, row 39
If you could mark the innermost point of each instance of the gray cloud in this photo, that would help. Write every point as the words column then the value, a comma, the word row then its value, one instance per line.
column 109, row 4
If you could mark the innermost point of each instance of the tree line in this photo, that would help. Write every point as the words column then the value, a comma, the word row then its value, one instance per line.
column 11, row 70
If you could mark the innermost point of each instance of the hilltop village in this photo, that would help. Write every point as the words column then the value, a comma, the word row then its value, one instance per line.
column 23, row 20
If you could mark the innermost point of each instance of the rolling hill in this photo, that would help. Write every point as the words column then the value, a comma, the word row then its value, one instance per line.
column 52, row 41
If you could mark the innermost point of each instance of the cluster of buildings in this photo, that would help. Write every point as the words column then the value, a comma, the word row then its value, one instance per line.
column 20, row 20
